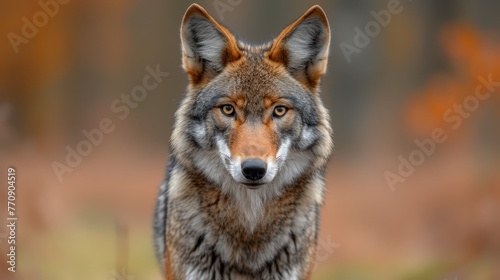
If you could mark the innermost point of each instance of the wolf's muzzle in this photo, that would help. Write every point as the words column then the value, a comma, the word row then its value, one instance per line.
column 254, row 169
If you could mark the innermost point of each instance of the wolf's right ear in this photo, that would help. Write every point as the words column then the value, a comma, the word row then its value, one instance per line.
column 207, row 46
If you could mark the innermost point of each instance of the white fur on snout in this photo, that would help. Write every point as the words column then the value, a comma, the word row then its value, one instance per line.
column 224, row 151
column 233, row 165
column 282, row 153
column 271, row 170
column 273, row 165
column 236, row 170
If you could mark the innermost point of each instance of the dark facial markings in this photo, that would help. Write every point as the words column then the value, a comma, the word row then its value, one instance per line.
column 304, row 105
column 206, row 100
column 255, row 99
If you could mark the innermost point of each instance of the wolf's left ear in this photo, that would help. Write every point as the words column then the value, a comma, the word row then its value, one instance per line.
column 207, row 46
column 303, row 47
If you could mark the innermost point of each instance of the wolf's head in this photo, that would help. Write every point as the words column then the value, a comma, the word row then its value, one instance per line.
column 252, row 117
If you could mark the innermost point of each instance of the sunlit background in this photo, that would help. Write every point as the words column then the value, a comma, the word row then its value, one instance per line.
column 406, row 80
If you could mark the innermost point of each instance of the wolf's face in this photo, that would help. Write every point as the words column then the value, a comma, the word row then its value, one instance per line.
column 254, row 115
column 253, row 111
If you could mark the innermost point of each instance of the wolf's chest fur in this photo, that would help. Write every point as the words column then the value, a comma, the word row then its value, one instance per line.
column 210, row 239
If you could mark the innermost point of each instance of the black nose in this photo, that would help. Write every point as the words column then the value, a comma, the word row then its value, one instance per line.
column 253, row 169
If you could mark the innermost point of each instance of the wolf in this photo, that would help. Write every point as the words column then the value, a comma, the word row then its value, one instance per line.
column 249, row 147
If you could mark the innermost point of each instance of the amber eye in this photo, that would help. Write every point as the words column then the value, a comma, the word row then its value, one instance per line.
column 280, row 111
column 227, row 110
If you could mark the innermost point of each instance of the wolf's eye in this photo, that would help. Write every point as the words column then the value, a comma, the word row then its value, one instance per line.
column 227, row 110
column 280, row 111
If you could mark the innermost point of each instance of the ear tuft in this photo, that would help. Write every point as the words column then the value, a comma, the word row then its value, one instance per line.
column 303, row 47
column 207, row 46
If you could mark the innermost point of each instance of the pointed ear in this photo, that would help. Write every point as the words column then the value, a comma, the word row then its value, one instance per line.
column 207, row 46
column 303, row 46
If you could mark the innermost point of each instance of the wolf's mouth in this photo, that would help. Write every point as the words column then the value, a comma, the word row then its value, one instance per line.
column 253, row 185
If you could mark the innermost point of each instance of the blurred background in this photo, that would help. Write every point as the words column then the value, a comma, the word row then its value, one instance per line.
column 64, row 65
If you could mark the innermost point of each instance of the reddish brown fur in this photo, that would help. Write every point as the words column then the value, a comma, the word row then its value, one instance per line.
column 216, row 225
column 259, row 141
column 222, row 208
column 169, row 267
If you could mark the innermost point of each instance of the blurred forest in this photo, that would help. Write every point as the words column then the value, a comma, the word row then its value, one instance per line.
column 442, row 222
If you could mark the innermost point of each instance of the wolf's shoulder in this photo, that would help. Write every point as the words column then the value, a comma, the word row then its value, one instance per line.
column 160, row 215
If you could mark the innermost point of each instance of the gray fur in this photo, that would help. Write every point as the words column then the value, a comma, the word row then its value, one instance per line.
column 216, row 227
column 160, row 216
column 204, row 42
